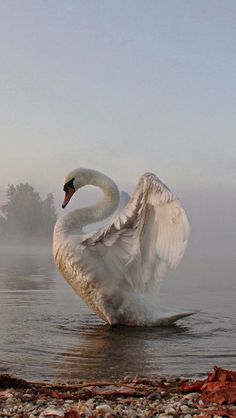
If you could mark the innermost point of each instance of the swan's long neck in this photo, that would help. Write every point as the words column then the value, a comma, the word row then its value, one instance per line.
column 110, row 201
column 74, row 221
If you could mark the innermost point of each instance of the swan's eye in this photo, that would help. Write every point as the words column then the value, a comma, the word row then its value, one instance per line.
column 69, row 185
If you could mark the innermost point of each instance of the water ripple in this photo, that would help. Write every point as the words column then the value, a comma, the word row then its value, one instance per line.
column 47, row 332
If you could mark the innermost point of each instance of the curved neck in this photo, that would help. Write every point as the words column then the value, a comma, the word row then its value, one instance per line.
column 111, row 196
column 74, row 221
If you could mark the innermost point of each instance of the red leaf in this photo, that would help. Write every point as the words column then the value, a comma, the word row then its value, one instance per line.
column 55, row 394
column 219, row 387
column 221, row 374
column 194, row 387
column 220, row 392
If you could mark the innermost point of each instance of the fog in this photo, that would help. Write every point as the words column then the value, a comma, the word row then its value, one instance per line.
column 212, row 216
column 124, row 90
column 35, row 300
column 211, row 213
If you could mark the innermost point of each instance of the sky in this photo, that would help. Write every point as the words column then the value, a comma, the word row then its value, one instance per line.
column 123, row 87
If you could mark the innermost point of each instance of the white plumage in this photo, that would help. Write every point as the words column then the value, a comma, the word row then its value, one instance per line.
column 116, row 268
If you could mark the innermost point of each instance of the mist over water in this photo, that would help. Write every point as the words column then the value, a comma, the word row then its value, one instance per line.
column 46, row 331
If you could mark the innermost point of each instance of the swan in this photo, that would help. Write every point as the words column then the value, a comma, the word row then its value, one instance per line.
column 117, row 270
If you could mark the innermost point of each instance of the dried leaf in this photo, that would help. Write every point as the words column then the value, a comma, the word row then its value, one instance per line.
column 53, row 413
column 219, row 387
column 56, row 394
column 112, row 390
column 221, row 374
column 219, row 392
column 194, row 387
column 72, row 414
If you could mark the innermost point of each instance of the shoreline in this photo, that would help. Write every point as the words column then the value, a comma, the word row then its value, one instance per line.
column 162, row 397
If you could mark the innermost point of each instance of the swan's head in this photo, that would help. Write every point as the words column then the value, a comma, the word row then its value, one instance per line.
column 74, row 180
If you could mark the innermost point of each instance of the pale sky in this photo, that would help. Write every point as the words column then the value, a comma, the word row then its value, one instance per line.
column 123, row 86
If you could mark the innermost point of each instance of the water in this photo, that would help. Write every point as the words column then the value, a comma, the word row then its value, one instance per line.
column 46, row 332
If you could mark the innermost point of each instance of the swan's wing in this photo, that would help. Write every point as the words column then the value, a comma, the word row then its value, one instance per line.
column 150, row 234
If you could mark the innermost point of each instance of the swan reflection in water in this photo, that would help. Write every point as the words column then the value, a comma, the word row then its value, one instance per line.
column 103, row 351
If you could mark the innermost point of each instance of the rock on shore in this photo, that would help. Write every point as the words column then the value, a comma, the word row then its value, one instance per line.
column 132, row 397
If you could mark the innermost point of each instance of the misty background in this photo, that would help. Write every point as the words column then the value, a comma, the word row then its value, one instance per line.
column 124, row 87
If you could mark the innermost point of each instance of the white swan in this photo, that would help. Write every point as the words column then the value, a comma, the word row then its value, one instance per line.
column 115, row 269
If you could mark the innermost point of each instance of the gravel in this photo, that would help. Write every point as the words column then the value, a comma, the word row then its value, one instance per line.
column 138, row 397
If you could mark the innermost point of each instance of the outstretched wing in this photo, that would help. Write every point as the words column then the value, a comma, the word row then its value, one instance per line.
column 150, row 234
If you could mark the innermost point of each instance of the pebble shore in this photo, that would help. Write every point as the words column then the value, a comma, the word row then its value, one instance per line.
column 132, row 397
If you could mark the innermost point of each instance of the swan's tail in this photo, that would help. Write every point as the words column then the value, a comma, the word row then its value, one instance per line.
column 171, row 318
column 138, row 310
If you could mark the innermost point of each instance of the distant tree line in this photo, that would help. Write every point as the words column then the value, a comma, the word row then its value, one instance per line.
column 26, row 216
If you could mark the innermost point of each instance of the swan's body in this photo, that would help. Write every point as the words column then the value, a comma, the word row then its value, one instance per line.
column 115, row 269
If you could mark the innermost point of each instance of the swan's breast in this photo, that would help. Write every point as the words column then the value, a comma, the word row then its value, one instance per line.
column 80, row 275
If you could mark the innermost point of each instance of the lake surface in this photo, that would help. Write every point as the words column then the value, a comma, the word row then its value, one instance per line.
column 46, row 332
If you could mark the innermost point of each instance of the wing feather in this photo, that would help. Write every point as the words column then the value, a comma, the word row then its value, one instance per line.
column 150, row 233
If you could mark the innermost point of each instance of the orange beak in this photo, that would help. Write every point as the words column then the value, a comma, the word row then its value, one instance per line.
column 68, row 196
